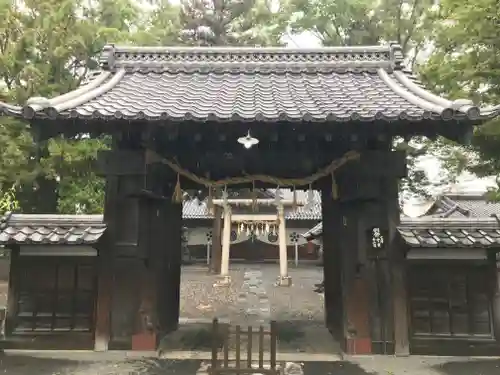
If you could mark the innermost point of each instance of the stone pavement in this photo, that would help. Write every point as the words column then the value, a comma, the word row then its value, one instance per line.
column 253, row 299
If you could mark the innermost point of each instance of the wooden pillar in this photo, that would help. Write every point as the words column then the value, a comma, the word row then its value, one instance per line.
column 102, row 334
column 284, row 279
column 226, row 244
column 359, row 279
column 397, row 264
column 215, row 263
column 170, row 276
column 496, row 294
column 400, row 304
column 12, row 294
column 332, row 268
column 139, row 273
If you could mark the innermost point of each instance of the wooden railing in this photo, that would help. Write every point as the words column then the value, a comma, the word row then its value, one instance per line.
column 242, row 362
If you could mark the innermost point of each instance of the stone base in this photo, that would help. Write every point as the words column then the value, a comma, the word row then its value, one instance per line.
column 284, row 281
column 223, row 281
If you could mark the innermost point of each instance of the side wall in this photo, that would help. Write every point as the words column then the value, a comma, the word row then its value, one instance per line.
column 452, row 302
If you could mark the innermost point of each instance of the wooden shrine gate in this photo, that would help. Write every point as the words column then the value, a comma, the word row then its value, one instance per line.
column 238, row 365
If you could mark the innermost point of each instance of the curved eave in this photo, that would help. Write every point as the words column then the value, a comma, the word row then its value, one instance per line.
column 461, row 109
column 449, row 109
column 10, row 110
column 37, row 107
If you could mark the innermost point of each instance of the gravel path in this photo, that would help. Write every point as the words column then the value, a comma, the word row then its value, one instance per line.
column 201, row 299
column 118, row 364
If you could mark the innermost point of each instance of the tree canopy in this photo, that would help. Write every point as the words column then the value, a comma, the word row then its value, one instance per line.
column 48, row 47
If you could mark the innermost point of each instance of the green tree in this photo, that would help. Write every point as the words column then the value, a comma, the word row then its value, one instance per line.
column 365, row 22
column 47, row 47
column 231, row 22
column 465, row 63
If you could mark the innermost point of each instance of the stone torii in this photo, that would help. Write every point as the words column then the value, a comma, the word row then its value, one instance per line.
column 226, row 203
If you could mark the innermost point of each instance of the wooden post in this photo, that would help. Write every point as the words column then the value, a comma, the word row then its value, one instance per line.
column 397, row 264
column 296, row 248
column 284, row 279
column 400, row 298
column 226, row 244
column 215, row 263
column 105, row 270
column 12, row 294
column 495, row 265
column 332, row 267
column 208, row 253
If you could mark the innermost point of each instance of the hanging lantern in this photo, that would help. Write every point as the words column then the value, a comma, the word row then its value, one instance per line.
column 267, row 228
column 248, row 141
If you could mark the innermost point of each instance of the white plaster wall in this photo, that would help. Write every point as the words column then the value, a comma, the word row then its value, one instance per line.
column 199, row 236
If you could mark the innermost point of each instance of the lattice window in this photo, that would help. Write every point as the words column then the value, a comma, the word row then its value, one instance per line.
column 55, row 295
column 450, row 301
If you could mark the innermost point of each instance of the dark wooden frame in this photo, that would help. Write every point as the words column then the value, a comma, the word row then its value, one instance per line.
column 246, row 366
column 15, row 282
column 468, row 337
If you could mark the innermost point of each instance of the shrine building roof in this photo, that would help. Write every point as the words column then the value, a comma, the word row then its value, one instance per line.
column 47, row 229
column 441, row 232
column 333, row 84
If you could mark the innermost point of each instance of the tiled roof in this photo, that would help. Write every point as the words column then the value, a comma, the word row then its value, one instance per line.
column 196, row 209
column 462, row 205
column 441, row 232
column 425, row 232
column 314, row 232
column 51, row 229
column 333, row 84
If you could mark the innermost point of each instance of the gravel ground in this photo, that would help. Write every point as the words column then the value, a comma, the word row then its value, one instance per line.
column 118, row 364
column 200, row 299
column 253, row 298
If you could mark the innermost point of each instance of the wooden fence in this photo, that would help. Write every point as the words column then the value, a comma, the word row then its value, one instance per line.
column 241, row 363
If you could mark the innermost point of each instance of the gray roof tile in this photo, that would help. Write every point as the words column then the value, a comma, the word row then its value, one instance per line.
column 441, row 232
column 463, row 205
column 196, row 209
column 51, row 229
column 251, row 84
column 435, row 232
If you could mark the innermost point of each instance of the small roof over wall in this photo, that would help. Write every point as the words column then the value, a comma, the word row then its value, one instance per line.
column 441, row 232
column 330, row 84
column 454, row 233
column 38, row 229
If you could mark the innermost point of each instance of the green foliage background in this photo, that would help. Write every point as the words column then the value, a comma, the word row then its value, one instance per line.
column 49, row 47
